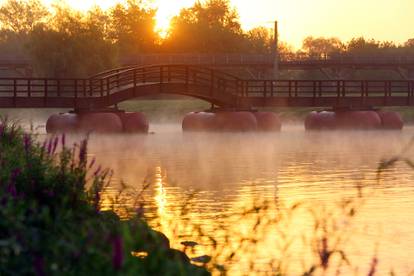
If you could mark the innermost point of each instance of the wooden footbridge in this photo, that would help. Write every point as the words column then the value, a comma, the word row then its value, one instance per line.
column 221, row 89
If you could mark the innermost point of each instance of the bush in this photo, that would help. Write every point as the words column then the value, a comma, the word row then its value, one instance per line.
column 51, row 222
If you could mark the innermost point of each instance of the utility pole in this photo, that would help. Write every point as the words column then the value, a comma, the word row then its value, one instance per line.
column 276, row 52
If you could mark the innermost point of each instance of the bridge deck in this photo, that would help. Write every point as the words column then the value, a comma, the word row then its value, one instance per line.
column 115, row 86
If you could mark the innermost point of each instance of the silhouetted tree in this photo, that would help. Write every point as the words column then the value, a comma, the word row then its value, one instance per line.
column 132, row 28
column 259, row 40
column 322, row 47
column 22, row 16
column 209, row 27
column 71, row 44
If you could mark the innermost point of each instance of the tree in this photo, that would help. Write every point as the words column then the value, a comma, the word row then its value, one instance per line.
column 409, row 43
column 322, row 47
column 21, row 16
column 210, row 27
column 361, row 45
column 71, row 44
column 260, row 40
column 132, row 28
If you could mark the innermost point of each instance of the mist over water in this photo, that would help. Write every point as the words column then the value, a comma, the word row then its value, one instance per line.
column 216, row 175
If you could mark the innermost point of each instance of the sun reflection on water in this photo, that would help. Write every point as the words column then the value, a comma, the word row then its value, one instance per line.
column 201, row 186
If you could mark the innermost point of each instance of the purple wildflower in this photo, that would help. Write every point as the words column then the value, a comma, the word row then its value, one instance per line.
column 63, row 140
column 92, row 163
column 117, row 252
column 82, row 152
column 39, row 266
column 140, row 210
column 373, row 268
column 55, row 143
column 98, row 170
column 49, row 147
column 27, row 143
column 44, row 146
column 11, row 189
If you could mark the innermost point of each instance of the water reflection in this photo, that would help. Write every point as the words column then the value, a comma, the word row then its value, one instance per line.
column 200, row 185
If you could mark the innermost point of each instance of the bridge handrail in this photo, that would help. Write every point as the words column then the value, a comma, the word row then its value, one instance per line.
column 213, row 83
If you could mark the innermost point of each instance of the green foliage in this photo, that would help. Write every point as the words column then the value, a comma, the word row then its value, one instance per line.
column 22, row 16
column 72, row 44
column 51, row 222
column 132, row 28
column 212, row 26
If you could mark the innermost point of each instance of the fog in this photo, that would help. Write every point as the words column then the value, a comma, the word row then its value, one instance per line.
column 225, row 173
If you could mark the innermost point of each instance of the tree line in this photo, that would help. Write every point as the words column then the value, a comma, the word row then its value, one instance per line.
column 61, row 41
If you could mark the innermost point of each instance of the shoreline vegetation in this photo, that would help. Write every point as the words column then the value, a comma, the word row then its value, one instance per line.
column 63, row 42
column 51, row 221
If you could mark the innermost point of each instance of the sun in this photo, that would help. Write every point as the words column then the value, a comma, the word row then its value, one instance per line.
column 166, row 10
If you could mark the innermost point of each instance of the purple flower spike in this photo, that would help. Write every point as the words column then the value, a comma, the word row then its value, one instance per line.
column 82, row 152
column 92, row 163
column 63, row 140
column 55, row 143
column 117, row 252
column 27, row 143
column 11, row 189
column 49, row 147
column 39, row 266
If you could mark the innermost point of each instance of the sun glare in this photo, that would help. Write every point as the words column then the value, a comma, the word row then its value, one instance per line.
column 166, row 10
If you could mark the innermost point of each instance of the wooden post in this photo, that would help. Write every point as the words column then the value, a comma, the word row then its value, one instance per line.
column 58, row 87
column 29, row 88
column 46, row 91
column 14, row 92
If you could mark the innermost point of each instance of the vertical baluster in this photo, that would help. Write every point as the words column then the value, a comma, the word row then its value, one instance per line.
column 14, row 88
column 45, row 84
column 76, row 89
column 58, row 87
column 338, row 88
column 135, row 80
column 362, row 89
column 296, row 88
column 108, row 86
column 29, row 88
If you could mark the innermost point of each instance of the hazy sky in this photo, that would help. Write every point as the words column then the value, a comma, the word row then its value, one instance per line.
column 379, row 19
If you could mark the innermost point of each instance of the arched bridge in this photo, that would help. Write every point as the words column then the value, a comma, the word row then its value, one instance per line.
column 112, row 87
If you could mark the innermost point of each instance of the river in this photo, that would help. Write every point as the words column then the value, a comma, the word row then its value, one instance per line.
column 252, row 200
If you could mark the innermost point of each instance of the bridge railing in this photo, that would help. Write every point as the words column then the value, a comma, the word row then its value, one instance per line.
column 180, row 74
column 41, row 87
column 321, row 88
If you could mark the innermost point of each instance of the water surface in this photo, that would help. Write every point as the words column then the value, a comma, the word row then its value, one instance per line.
column 218, row 176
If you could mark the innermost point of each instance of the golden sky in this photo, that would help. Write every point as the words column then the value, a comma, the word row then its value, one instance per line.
column 379, row 19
